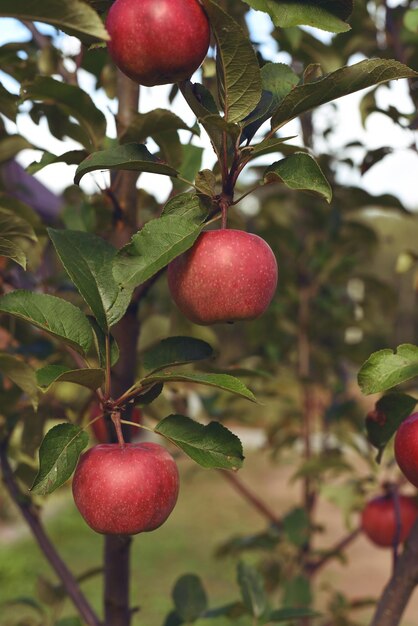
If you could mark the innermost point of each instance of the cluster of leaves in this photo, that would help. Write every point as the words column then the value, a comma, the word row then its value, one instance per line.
column 191, row 603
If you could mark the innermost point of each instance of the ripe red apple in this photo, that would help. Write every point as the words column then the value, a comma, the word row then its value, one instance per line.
column 99, row 427
column 227, row 275
column 156, row 42
column 406, row 448
column 125, row 491
column 378, row 519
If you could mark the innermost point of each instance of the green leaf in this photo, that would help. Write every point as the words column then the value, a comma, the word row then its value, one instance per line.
column 297, row 591
column 202, row 104
column 148, row 396
column 252, row 589
column 50, row 374
column 11, row 145
column 12, row 226
column 221, row 381
column 53, row 315
column 73, row 101
column 284, row 615
column 278, row 80
column 384, row 421
column 385, row 369
column 176, row 351
column 240, row 77
column 152, row 123
column 267, row 146
column 340, row 83
column 206, row 182
column 189, row 597
column 13, row 251
column 100, row 342
column 20, row 209
column 300, row 171
column 72, row 157
column 211, row 446
column 88, row 260
column 130, row 156
column 324, row 14
column 22, row 374
column 58, row 456
column 173, row 619
column 296, row 526
column 71, row 16
column 160, row 241
column 190, row 165
column 8, row 103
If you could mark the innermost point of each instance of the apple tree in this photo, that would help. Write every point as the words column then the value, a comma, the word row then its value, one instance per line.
column 73, row 311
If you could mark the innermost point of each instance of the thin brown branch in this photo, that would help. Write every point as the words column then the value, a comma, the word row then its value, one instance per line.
column 251, row 497
column 314, row 567
column 31, row 516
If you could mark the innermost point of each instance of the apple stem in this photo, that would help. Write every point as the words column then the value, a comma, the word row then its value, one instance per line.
column 224, row 204
column 117, row 422
column 224, row 217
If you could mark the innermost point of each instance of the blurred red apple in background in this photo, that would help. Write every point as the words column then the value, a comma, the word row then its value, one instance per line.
column 378, row 519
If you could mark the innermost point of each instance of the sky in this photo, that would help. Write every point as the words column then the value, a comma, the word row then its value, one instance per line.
column 394, row 174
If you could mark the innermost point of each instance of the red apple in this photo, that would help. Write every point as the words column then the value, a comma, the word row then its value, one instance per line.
column 125, row 491
column 156, row 42
column 378, row 519
column 100, row 429
column 228, row 275
column 406, row 448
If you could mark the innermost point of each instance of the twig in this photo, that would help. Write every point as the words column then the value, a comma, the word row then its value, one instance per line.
column 313, row 568
column 249, row 495
column 31, row 517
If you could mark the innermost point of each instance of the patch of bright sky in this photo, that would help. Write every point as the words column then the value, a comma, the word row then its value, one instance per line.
column 394, row 174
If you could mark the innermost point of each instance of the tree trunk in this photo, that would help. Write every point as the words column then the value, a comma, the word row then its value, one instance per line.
column 126, row 332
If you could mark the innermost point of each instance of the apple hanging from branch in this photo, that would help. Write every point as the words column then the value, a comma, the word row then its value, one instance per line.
column 157, row 42
column 228, row 275
column 125, row 490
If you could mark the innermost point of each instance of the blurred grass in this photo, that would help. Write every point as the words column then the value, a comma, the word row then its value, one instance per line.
column 207, row 513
